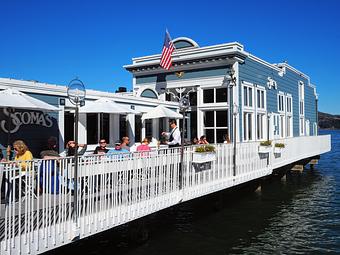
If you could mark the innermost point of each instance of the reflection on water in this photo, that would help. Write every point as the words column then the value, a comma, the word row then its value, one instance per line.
column 298, row 216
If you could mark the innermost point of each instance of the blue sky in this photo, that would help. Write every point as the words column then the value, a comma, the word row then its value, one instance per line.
column 55, row 41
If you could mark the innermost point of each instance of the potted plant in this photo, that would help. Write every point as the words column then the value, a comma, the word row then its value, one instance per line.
column 278, row 147
column 204, row 153
column 265, row 146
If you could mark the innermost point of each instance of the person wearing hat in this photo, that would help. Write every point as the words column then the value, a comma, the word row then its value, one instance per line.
column 118, row 149
column 174, row 136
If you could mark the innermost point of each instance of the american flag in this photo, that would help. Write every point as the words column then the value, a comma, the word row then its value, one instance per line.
column 168, row 48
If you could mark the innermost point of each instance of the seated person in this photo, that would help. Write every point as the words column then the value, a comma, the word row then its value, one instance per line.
column 125, row 143
column 203, row 140
column 144, row 146
column 22, row 153
column 118, row 149
column 101, row 149
column 195, row 141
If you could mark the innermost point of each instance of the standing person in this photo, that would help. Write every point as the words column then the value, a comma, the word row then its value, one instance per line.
column 125, row 143
column 51, row 148
column 101, row 149
column 22, row 153
column 71, row 148
column 174, row 135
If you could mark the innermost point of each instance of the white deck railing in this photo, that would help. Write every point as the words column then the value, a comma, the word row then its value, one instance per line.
column 38, row 196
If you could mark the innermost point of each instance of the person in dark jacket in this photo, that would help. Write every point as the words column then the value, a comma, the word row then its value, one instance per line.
column 101, row 149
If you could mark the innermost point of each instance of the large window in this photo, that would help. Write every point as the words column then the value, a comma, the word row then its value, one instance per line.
column 260, row 126
column 215, row 95
column 247, row 126
column 216, row 125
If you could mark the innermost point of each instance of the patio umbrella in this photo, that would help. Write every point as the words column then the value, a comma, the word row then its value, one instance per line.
column 105, row 105
column 161, row 112
column 14, row 99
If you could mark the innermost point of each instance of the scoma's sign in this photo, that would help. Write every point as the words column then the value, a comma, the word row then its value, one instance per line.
column 18, row 119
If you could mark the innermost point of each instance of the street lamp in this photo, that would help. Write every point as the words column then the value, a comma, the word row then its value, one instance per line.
column 231, row 80
column 76, row 94
column 184, row 104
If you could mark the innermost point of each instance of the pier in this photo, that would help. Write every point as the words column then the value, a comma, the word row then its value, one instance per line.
column 39, row 211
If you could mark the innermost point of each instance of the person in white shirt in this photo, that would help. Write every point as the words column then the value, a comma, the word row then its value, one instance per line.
column 174, row 136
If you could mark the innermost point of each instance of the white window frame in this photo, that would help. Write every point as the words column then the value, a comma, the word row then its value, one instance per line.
column 289, row 115
column 214, row 103
column 246, row 110
column 215, row 127
column 302, row 124
column 281, row 95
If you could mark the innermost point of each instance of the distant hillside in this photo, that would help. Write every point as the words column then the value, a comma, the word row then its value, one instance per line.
column 329, row 121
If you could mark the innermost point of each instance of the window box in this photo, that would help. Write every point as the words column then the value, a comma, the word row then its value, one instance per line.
column 203, row 157
column 265, row 149
column 278, row 150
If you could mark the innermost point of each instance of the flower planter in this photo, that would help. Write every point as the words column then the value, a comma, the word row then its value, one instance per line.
column 202, row 157
column 278, row 150
column 265, row 149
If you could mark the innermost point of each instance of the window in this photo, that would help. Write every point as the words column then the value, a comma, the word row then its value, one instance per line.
column 282, row 126
column 138, row 128
column 148, row 128
column 280, row 102
column 122, row 126
column 289, row 126
column 302, row 125
column 289, row 104
column 216, row 125
column 276, row 120
column 92, row 128
column 260, row 99
column 302, row 107
column 248, row 96
column 215, row 95
column 247, row 126
column 260, row 126
column 149, row 94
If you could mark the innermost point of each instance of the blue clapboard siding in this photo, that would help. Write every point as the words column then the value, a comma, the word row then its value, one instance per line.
column 190, row 74
column 310, row 108
column 258, row 73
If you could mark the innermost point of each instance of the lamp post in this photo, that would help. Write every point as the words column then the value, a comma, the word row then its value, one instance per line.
column 184, row 104
column 76, row 94
column 230, row 78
